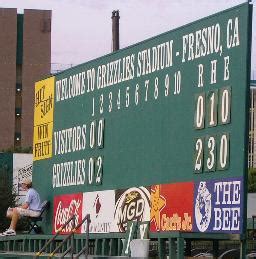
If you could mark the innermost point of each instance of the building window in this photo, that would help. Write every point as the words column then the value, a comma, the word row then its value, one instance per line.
column 45, row 25
column 17, row 139
column 18, row 88
column 17, row 136
column 18, row 112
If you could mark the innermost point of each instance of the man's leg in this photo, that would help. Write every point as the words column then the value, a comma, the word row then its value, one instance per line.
column 14, row 215
column 9, row 213
column 15, row 218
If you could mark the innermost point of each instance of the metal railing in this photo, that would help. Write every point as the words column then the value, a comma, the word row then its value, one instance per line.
column 70, row 236
column 85, row 249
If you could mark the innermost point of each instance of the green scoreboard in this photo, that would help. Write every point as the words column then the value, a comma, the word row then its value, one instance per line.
column 166, row 118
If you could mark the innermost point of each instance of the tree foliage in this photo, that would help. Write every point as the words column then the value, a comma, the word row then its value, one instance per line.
column 28, row 150
column 252, row 180
column 7, row 197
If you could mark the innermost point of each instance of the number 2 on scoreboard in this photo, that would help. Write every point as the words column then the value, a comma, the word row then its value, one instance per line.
column 211, row 153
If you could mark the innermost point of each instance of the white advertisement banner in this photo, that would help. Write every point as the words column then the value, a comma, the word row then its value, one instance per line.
column 22, row 169
column 100, row 205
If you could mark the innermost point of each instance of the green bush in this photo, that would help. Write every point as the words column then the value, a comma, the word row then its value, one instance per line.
column 7, row 197
column 252, row 180
column 28, row 150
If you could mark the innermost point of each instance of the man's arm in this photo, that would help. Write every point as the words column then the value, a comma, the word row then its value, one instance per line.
column 28, row 199
column 24, row 206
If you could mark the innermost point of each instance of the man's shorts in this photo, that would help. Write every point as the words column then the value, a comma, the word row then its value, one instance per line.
column 25, row 212
column 28, row 213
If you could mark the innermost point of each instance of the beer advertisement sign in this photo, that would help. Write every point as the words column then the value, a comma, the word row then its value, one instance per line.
column 132, row 204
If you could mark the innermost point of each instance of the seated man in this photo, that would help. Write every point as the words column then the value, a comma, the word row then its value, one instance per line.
column 31, row 208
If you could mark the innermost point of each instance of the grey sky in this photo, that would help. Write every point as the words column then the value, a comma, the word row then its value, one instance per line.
column 81, row 29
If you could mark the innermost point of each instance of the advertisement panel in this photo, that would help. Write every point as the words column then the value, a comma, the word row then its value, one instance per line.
column 22, row 169
column 131, row 204
column 43, row 119
column 64, row 207
column 219, row 206
column 172, row 207
column 100, row 206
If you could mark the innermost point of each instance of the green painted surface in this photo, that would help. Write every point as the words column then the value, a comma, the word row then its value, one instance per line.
column 28, row 245
column 6, row 165
column 149, row 131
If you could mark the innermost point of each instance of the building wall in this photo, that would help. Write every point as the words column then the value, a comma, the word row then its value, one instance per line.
column 25, row 57
column 8, row 41
column 251, row 133
column 36, row 64
column 252, row 127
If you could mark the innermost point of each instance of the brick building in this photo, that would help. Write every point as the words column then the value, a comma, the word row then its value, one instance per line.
column 25, row 57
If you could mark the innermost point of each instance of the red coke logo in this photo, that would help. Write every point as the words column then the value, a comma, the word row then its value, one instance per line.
column 66, row 206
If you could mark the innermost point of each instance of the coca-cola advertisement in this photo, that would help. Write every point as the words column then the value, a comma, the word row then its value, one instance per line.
column 64, row 207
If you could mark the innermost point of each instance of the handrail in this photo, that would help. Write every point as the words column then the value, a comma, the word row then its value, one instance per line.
column 70, row 235
column 87, row 217
column 72, row 218
column 85, row 249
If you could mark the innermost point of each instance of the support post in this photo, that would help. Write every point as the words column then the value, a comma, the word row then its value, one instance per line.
column 188, row 247
column 180, row 248
column 243, row 245
column 73, row 236
column 161, row 247
column 172, row 248
column 87, row 236
column 215, row 248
